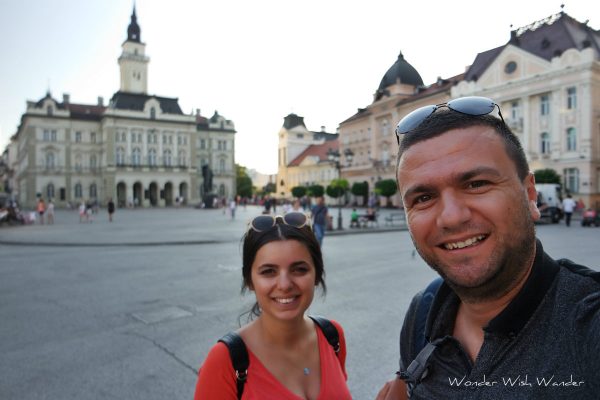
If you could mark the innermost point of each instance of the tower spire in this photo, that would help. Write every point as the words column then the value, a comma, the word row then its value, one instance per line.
column 133, row 30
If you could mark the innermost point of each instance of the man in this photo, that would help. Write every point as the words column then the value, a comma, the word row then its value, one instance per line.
column 508, row 321
column 319, row 219
column 568, row 207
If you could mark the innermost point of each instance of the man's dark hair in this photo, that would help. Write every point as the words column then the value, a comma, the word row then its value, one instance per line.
column 445, row 120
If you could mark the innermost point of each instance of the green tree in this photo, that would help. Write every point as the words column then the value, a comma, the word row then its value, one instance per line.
column 299, row 191
column 316, row 190
column 243, row 182
column 337, row 188
column 547, row 175
column 386, row 188
column 360, row 189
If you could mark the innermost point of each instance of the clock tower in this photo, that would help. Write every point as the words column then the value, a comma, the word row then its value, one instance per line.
column 133, row 62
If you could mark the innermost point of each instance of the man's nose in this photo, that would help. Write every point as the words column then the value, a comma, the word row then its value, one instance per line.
column 454, row 210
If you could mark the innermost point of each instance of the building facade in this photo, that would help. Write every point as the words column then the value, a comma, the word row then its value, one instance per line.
column 546, row 79
column 302, row 156
column 139, row 149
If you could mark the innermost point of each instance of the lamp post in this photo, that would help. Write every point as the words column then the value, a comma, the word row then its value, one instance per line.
column 334, row 157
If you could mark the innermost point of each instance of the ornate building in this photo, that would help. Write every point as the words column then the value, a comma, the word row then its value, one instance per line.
column 139, row 149
column 302, row 157
column 546, row 79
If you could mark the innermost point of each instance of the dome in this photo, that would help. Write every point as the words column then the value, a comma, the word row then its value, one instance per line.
column 401, row 71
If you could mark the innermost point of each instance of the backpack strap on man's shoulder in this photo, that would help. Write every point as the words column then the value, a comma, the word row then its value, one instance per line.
column 329, row 330
column 419, row 339
column 239, row 358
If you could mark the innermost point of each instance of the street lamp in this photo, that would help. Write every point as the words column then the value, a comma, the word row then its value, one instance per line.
column 334, row 157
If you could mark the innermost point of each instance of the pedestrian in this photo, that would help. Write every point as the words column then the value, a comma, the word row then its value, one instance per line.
column 111, row 209
column 232, row 207
column 82, row 213
column 289, row 353
column 50, row 212
column 41, row 209
column 505, row 311
column 319, row 216
column 568, row 207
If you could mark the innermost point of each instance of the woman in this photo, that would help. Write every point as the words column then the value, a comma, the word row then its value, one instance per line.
column 290, row 357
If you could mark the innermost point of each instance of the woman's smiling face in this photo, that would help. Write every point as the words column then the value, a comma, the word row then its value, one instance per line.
column 283, row 279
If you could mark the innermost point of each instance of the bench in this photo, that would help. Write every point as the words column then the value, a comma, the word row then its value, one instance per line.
column 392, row 218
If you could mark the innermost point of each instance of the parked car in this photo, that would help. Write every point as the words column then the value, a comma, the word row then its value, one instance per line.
column 590, row 217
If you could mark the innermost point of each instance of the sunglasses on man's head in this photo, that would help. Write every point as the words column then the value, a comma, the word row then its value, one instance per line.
column 473, row 105
column 266, row 222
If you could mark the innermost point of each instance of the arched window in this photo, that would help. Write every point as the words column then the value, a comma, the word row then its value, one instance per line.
column 50, row 191
column 571, row 139
column 222, row 165
column 182, row 158
column 49, row 160
column 93, row 191
column 152, row 157
column 545, row 143
column 120, row 156
column 167, row 158
column 78, row 191
column 136, row 156
column 152, row 113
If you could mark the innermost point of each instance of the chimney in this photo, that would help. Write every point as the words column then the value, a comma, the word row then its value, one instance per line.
column 101, row 101
column 66, row 98
column 322, row 128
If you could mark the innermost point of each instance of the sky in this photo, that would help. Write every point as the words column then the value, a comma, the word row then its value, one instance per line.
column 252, row 61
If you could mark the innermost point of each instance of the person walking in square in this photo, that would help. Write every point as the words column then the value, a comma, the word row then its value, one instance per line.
column 568, row 207
column 41, row 209
column 111, row 209
column 319, row 217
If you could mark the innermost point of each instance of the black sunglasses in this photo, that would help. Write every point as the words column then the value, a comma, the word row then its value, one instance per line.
column 472, row 105
column 266, row 222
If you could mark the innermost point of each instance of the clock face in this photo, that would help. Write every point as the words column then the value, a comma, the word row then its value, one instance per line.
column 510, row 67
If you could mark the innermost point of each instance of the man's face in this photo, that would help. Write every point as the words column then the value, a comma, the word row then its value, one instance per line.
column 469, row 214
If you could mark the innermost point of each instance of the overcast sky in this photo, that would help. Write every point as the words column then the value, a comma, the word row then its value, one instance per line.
column 253, row 61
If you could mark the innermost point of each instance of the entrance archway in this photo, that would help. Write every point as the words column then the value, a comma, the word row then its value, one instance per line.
column 121, row 194
column 138, row 194
column 153, row 189
column 168, row 194
column 183, row 192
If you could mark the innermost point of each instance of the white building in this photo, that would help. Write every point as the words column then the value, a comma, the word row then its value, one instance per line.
column 139, row 149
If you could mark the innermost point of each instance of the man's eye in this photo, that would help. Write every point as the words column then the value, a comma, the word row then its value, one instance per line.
column 477, row 184
column 422, row 199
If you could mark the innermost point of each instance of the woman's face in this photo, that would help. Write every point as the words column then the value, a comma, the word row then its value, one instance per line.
column 283, row 279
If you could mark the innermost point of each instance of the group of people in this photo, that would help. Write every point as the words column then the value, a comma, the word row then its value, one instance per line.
column 504, row 321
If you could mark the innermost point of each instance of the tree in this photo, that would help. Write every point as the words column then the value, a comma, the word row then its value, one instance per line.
column 547, row 175
column 243, row 182
column 269, row 188
column 360, row 189
column 386, row 188
column 337, row 188
column 299, row 191
column 316, row 190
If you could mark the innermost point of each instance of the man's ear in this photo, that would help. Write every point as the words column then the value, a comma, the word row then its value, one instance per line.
column 532, row 196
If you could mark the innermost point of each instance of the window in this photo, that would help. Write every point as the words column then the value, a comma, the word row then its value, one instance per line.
column 78, row 191
column 78, row 163
column 136, row 156
column 93, row 191
column 46, row 135
column 545, row 143
column 93, row 137
column 152, row 157
column 182, row 158
column 123, row 137
column 202, row 144
column 50, row 110
column 222, row 165
column 515, row 111
column 133, row 136
column 153, row 113
column 50, row 191
column 571, row 98
column 385, row 128
column 53, row 135
column 544, row 104
column 78, row 137
column 179, row 140
column 120, row 156
column 167, row 158
column 93, row 162
column 572, row 180
column 170, row 139
column 49, row 160
column 571, row 139
column 164, row 139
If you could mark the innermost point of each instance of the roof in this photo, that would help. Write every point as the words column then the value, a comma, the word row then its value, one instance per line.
column 134, row 101
column 315, row 150
column 401, row 71
column 292, row 120
column 546, row 38
column 86, row 112
column 441, row 85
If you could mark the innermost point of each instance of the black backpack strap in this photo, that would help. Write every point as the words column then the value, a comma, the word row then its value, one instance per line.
column 418, row 368
column 239, row 359
column 329, row 330
column 419, row 339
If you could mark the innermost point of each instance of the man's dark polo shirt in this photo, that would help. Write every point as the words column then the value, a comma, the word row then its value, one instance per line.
column 544, row 345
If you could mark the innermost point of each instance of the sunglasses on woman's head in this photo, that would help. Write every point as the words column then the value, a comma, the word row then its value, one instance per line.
column 472, row 105
column 266, row 222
